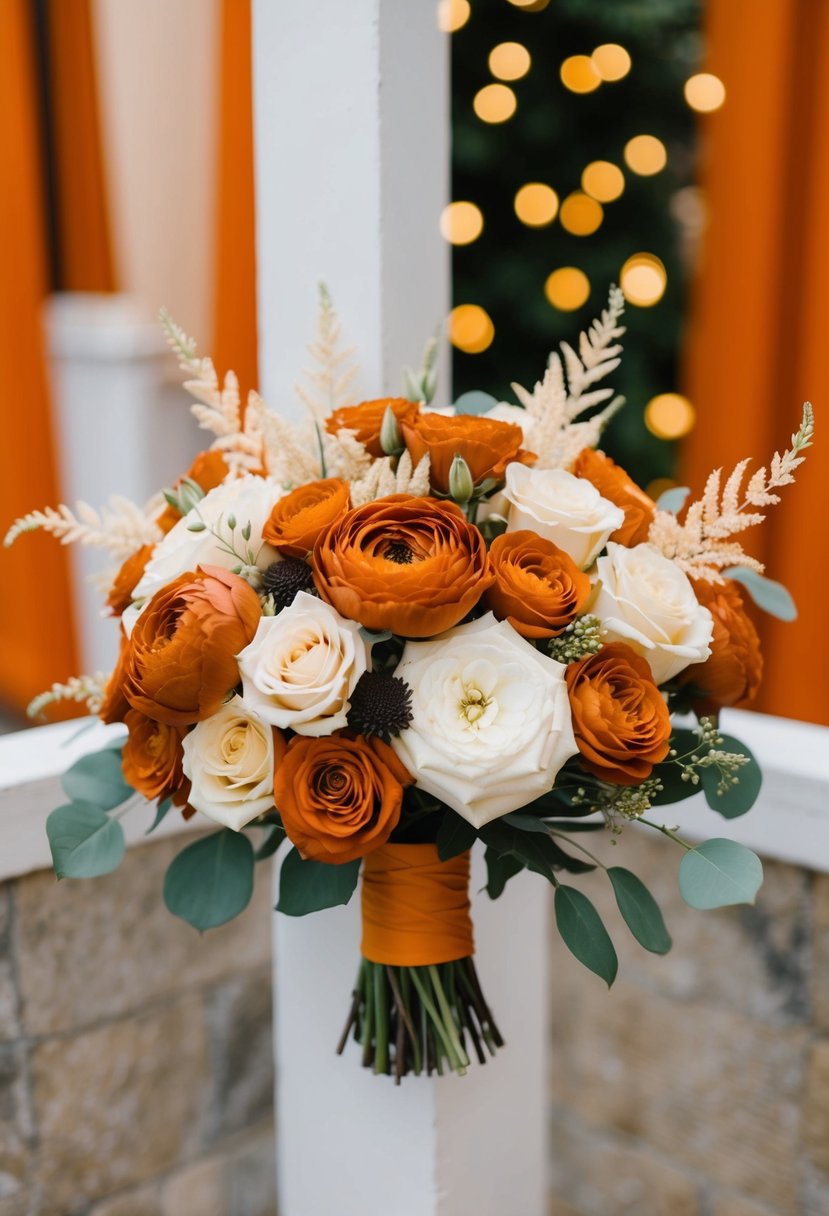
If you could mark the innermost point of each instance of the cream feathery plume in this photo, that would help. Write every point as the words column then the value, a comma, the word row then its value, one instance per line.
column 121, row 527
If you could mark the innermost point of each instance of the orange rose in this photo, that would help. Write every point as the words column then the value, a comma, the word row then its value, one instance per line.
column 620, row 720
column 411, row 565
column 614, row 484
column 301, row 516
column 339, row 796
column 181, row 658
column 366, row 419
column 208, row 470
column 486, row 445
column 538, row 587
column 152, row 757
column 126, row 580
column 734, row 669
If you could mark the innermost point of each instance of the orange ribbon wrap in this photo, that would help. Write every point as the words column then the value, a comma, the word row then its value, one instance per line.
column 415, row 907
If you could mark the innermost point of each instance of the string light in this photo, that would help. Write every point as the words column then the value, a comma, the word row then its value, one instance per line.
column 453, row 15
column 643, row 280
column 470, row 328
column 645, row 155
column 567, row 288
column 704, row 92
column 461, row 223
column 670, row 416
column 580, row 214
column 579, row 74
column 530, row 6
column 612, row 61
column 603, row 181
column 495, row 103
column 536, row 204
column 509, row 61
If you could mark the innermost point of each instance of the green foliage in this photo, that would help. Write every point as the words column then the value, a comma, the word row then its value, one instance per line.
column 772, row 597
column 211, row 881
column 474, row 402
column 538, row 852
column 500, row 868
column 98, row 779
column 272, row 839
column 454, row 835
column 309, row 886
column 720, row 794
column 160, row 813
column 673, row 500
column 719, row 872
column 584, row 934
column 639, row 910
column 85, row 842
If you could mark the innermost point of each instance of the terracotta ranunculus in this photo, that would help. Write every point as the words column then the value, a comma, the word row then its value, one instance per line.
column 152, row 757
column 208, row 470
column 411, row 565
column 620, row 720
column 366, row 419
column 181, row 663
column 733, row 672
column 538, row 587
column 115, row 706
column 613, row 483
column 126, row 580
column 339, row 796
column 300, row 517
column 486, row 445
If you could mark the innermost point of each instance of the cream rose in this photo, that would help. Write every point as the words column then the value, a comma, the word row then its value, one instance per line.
column 490, row 719
column 565, row 509
column 644, row 599
column 302, row 667
column 229, row 759
column 249, row 500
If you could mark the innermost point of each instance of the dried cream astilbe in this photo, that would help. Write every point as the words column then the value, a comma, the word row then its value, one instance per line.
column 701, row 545
column 121, row 527
column 383, row 479
column 85, row 690
column 558, row 399
column 334, row 370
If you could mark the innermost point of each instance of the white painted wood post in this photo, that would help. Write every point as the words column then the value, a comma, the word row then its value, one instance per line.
column 352, row 167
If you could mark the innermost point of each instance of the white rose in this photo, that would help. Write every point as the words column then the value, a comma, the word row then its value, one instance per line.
column 302, row 666
column 250, row 499
column 565, row 509
column 229, row 759
column 490, row 719
column 504, row 412
column 644, row 599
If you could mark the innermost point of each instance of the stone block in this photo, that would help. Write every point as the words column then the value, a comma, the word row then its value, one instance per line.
column 196, row 1191
column 144, row 1201
column 816, row 1109
column 738, row 1205
column 9, row 1021
column 241, row 1051
column 120, row 1104
column 15, row 1125
column 250, row 1176
column 109, row 946
column 820, row 971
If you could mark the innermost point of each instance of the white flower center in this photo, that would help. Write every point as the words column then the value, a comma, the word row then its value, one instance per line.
column 475, row 708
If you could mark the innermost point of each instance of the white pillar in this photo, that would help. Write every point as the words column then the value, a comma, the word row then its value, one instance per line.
column 352, row 153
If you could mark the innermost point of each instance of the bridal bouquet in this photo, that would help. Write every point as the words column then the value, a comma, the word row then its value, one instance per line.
column 396, row 629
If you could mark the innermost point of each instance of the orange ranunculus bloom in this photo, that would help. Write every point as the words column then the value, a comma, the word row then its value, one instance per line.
column 486, row 445
column 181, row 657
column 613, row 483
column 340, row 795
column 115, row 705
column 152, row 756
column 127, row 578
column 366, row 419
column 732, row 673
column 301, row 516
column 620, row 720
column 208, row 470
column 411, row 565
column 538, row 587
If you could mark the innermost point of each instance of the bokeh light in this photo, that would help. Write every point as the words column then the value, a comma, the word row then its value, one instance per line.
column 645, row 155
column 509, row 61
column 704, row 92
column 495, row 103
column 536, row 204
column 453, row 15
column 530, row 6
column 669, row 416
column 580, row 214
column 579, row 74
column 643, row 280
column 603, row 181
column 611, row 60
column 470, row 328
column 656, row 488
column 567, row 288
column 461, row 223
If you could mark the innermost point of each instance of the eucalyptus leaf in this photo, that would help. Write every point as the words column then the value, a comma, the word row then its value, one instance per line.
column 474, row 402
column 97, row 778
column 673, row 500
column 537, row 852
column 160, row 812
column 309, row 886
column 500, row 868
column 455, row 835
column 772, row 597
column 584, row 934
column 211, row 881
column 85, row 842
column 639, row 910
column 739, row 798
column 272, row 839
column 526, row 823
column 718, row 873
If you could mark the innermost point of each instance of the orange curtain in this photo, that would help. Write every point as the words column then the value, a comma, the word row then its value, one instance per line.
column 756, row 341
column 234, row 338
column 36, row 637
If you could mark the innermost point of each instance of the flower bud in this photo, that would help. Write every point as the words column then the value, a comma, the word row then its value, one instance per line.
column 390, row 439
column 461, row 485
